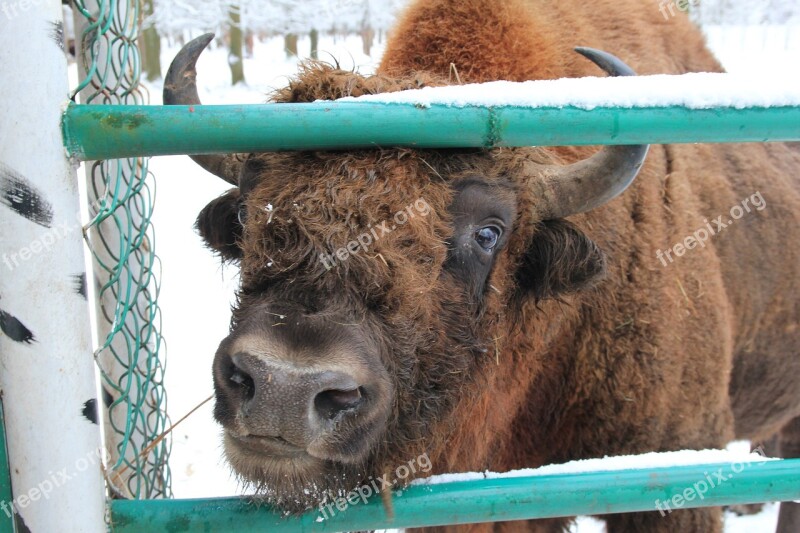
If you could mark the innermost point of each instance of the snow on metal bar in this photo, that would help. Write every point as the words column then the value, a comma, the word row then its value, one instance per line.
column 663, row 489
column 106, row 132
column 693, row 91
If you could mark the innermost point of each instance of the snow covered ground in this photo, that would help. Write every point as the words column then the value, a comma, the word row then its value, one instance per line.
column 197, row 291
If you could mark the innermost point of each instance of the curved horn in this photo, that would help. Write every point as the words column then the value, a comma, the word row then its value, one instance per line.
column 585, row 185
column 180, row 88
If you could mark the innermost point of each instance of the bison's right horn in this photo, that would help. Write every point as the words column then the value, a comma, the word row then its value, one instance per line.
column 567, row 190
column 180, row 88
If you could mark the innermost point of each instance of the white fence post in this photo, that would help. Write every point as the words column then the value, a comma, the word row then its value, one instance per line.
column 47, row 372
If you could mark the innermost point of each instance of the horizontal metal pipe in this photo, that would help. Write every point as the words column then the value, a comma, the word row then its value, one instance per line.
column 485, row 500
column 107, row 132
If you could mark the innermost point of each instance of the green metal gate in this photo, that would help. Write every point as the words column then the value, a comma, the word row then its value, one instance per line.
column 115, row 130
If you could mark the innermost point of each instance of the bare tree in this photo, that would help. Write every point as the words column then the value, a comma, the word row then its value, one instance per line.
column 290, row 44
column 314, row 36
column 150, row 44
column 236, row 56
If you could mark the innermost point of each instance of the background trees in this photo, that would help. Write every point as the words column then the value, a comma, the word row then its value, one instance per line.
column 238, row 22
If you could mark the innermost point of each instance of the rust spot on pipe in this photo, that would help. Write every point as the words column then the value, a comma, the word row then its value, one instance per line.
column 127, row 121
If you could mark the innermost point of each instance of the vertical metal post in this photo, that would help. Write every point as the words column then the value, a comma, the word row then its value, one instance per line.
column 6, row 519
column 47, row 374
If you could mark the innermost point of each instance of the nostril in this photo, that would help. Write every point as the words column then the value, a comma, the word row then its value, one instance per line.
column 329, row 403
column 243, row 381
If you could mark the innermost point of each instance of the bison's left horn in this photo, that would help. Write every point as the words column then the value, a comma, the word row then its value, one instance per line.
column 180, row 88
column 582, row 186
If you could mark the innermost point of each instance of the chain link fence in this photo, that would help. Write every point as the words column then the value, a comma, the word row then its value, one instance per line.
column 121, row 195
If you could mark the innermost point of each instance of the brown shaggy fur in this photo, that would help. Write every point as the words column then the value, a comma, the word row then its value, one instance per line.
column 652, row 358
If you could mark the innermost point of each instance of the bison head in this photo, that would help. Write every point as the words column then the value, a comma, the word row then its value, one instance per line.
column 378, row 287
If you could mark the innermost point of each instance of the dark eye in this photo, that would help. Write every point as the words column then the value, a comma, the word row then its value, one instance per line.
column 487, row 237
column 242, row 214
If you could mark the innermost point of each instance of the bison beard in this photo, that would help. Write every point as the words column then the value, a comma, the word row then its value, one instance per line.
column 491, row 333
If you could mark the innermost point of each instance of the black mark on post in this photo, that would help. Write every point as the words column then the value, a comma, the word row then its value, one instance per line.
column 80, row 284
column 90, row 410
column 20, row 524
column 107, row 398
column 15, row 329
column 57, row 34
column 18, row 194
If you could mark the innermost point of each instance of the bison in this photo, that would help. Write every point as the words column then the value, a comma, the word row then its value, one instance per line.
column 509, row 307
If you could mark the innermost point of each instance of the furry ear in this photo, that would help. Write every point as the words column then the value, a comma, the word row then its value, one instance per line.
column 560, row 260
column 218, row 224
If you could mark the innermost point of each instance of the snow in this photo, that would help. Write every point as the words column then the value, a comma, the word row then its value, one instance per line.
column 694, row 91
column 271, row 16
column 197, row 291
column 623, row 462
column 267, row 70
column 756, row 50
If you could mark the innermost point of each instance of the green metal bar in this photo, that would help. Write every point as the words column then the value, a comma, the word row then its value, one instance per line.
column 486, row 500
column 6, row 494
column 107, row 132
